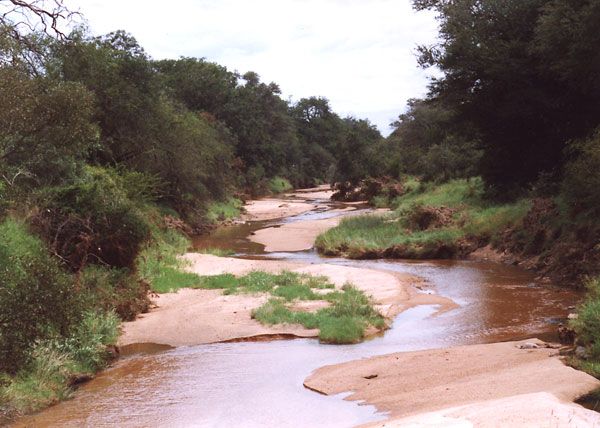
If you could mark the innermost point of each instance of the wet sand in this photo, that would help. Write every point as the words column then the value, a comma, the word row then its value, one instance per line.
column 417, row 383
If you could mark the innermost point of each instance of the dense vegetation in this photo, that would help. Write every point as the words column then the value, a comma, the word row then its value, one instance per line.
column 106, row 157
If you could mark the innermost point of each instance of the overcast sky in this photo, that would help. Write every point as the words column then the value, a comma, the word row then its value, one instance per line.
column 360, row 54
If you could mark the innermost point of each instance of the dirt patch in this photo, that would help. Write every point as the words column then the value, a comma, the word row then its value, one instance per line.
column 193, row 317
column 405, row 384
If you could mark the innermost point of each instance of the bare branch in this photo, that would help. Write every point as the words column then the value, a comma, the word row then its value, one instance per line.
column 20, row 17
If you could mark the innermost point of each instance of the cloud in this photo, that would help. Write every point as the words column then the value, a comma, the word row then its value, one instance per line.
column 360, row 54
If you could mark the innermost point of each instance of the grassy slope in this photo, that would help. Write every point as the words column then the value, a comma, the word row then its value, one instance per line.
column 396, row 235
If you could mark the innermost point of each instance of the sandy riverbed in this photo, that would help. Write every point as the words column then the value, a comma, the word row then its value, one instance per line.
column 494, row 384
column 193, row 317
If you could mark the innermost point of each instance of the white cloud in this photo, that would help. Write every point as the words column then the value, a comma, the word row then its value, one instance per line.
column 360, row 54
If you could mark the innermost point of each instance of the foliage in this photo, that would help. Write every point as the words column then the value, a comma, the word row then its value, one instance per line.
column 159, row 265
column 581, row 185
column 55, row 363
column 279, row 185
column 111, row 289
column 427, row 141
column 45, row 128
column 224, row 210
column 587, row 324
column 430, row 221
column 519, row 72
column 37, row 299
column 357, row 155
column 93, row 219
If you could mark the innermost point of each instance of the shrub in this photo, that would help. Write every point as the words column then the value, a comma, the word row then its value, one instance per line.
column 587, row 324
column 55, row 363
column 581, row 184
column 92, row 220
column 224, row 210
column 113, row 289
column 279, row 185
column 36, row 297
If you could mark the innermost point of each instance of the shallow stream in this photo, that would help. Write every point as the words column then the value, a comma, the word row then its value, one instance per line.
column 261, row 383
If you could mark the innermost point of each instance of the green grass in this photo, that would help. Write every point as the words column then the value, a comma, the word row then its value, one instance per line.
column 286, row 285
column 224, row 210
column 55, row 363
column 219, row 252
column 587, row 325
column 159, row 265
column 345, row 321
column 279, row 185
column 394, row 234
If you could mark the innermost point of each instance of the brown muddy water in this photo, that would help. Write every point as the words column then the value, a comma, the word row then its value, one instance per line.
column 260, row 384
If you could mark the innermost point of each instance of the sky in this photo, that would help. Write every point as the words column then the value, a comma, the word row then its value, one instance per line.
column 359, row 54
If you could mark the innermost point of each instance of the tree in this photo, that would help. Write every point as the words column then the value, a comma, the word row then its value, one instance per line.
column 46, row 128
column 356, row 153
column 497, row 78
column 23, row 26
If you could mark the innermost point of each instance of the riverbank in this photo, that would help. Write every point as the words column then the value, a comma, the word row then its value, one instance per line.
column 499, row 384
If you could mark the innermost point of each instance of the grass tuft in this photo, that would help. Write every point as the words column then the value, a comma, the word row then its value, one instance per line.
column 395, row 234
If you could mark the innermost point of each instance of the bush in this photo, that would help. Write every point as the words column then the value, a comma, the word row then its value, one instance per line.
column 587, row 324
column 581, row 184
column 37, row 298
column 56, row 363
column 279, row 185
column 224, row 210
column 113, row 290
column 93, row 220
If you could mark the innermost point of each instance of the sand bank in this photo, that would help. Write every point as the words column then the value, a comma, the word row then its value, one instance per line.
column 191, row 317
column 418, row 383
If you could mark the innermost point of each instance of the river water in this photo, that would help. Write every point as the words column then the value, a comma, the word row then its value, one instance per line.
column 254, row 384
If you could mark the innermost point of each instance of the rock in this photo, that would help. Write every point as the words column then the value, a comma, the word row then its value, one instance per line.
column 373, row 376
column 581, row 353
column 572, row 316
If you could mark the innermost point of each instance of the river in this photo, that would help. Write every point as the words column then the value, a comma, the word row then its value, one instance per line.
column 261, row 383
